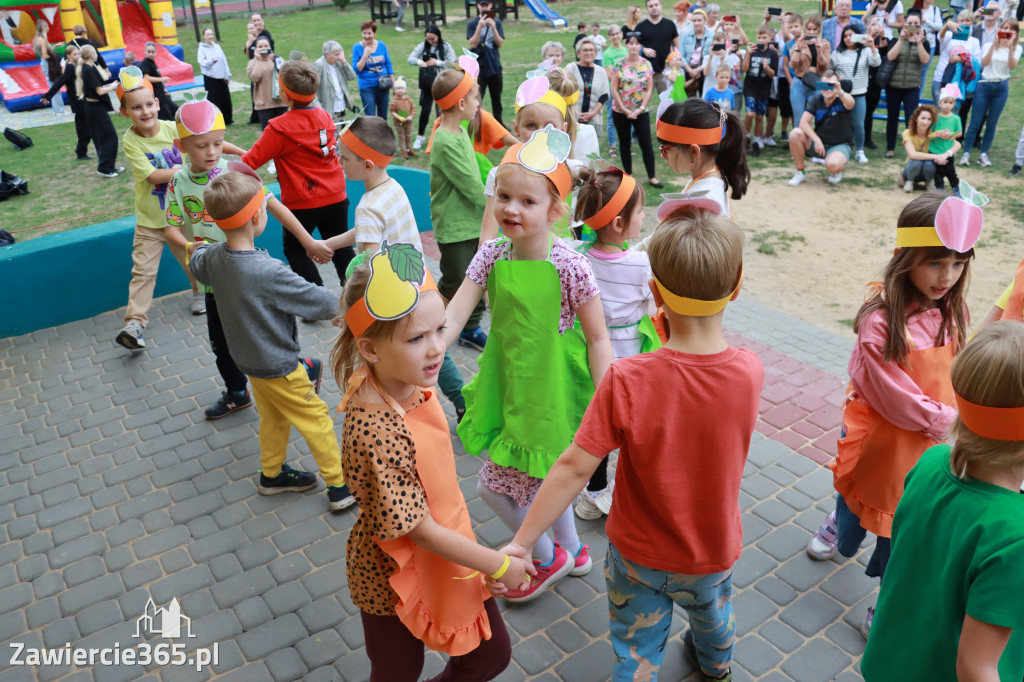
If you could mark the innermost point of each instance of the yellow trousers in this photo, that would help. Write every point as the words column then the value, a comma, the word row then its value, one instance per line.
column 291, row 401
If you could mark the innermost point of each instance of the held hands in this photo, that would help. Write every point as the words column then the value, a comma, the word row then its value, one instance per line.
column 319, row 252
column 519, row 570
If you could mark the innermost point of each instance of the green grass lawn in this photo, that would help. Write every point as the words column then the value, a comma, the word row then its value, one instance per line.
column 67, row 193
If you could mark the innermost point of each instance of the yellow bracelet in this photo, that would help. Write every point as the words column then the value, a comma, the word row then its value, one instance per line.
column 504, row 567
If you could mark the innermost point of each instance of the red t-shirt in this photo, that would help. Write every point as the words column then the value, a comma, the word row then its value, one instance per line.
column 303, row 145
column 682, row 424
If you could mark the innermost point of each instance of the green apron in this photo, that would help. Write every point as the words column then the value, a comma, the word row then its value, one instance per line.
column 534, row 384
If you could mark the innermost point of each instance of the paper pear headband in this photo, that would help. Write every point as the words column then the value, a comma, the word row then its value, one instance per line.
column 397, row 278
column 545, row 153
column 131, row 78
column 958, row 223
column 198, row 116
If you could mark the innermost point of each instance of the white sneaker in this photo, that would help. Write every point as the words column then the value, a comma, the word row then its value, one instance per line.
column 586, row 506
column 399, row 29
column 983, row 160
column 418, row 144
column 861, row 158
column 604, row 498
column 797, row 178
column 834, row 178
column 818, row 160
column 965, row 160
column 908, row 186
column 769, row 142
column 198, row 303
column 131, row 336
column 272, row 169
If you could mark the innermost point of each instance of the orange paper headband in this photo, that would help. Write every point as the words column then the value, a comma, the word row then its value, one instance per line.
column 615, row 204
column 997, row 423
column 294, row 95
column 559, row 176
column 121, row 91
column 694, row 307
column 246, row 213
column 358, row 318
column 363, row 150
column 460, row 91
column 681, row 135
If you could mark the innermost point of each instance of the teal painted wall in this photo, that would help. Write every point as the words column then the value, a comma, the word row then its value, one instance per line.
column 84, row 272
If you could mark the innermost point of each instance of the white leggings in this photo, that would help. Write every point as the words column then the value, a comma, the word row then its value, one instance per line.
column 509, row 511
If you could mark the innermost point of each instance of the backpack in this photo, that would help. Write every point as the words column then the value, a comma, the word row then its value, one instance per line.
column 6, row 238
column 18, row 138
column 11, row 185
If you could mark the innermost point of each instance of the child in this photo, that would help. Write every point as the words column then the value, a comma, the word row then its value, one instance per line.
column 456, row 191
column 713, row 63
column 721, row 94
column 944, row 143
column 200, row 136
column 760, row 64
column 611, row 204
column 900, row 401
column 955, row 585
column 129, row 58
column 410, row 549
column 963, row 71
column 674, row 531
column 384, row 214
column 149, row 146
column 402, row 111
column 259, row 298
column 302, row 141
column 533, row 384
column 693, row 141
column 599, row 41
column 673, row 68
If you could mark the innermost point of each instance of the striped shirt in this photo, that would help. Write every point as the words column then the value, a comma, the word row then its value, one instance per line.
column 384, row 212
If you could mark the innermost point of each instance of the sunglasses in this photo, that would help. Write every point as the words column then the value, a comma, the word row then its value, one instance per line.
column 633, row 34
column 664, row 149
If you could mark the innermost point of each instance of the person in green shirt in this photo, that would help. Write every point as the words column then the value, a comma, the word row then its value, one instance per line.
column 611, row 56
column 944, row 142
column 952, row 603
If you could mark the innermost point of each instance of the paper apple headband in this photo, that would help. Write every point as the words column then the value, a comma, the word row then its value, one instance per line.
column 397, row 278
column 131, row 78
column 198, row 116
column 470, row 69
column 950, row 91
column 537, row 90
column 958, row 224
column 545, row 152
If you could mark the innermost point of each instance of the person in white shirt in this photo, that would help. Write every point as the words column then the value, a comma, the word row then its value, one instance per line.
column 990, row 96
column 333, row 96
column 216, row 74
column 948, row 37
column 891, row 12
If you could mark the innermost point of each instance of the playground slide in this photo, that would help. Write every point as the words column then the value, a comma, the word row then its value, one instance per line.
column 541, row 10
column 21, row 85
column 137, row 28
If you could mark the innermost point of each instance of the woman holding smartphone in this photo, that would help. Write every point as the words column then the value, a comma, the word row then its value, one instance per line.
column 911, row 53
column 992, row 92
column 853, row 60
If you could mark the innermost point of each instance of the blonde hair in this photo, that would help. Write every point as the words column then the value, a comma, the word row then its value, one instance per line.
column 444, row 83
column 965, row 15
column 989, row 371
column 697, row 254
column 565, row 85
column 551, row 44
column 87, row 53
column 300, row 77
column 228, row 194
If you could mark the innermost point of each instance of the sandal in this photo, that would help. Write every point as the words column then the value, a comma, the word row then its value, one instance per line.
column 890, row 154
column 613, row 153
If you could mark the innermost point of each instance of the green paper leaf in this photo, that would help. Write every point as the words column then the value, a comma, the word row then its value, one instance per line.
column 559, row 145
column 402, row 112
column 407, row 262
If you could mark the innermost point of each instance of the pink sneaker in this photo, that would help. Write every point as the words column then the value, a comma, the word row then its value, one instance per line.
column 582, row 562
column 545, row 578
column 824, row 544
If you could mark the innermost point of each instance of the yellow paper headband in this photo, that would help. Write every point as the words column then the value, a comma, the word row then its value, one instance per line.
column 553, row 98
column 694, row 307
column 198, row 117
column 397, row 278
column 917, row 236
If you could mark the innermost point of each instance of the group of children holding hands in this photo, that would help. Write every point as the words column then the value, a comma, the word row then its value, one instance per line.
column 594, row 346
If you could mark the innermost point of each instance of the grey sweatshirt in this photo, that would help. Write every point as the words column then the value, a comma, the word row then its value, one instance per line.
column 258, row 298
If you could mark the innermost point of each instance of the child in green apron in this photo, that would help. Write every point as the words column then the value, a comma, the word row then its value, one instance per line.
column 539, row 369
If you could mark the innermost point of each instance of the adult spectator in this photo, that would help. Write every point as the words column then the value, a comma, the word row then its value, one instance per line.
column 593, row 83
column 947, row 37
column 832, row 28
column 552, row 53
column 333, row 95
column 682, row 14
column 216, row 74
column 931, row 24
column 256, row 29
column 49, row 62
column 151, row 72
column 910, row 52
column 876, row 33
column 81, row 39
column 827, row 127
column 806, row 56
column 373, row 67
column 985, row 31
column 920, row 164
column 67, row 79
column 891, row 12
column 262, row 72
column 658, row 36
column 634, row 15
column 431, row 56
column 486, row 36
column 695, row 49
column 632, row 85
column 853, row 61
column 990, row 96
column 713, row 13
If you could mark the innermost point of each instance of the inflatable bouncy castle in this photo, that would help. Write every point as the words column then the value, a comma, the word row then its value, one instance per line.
column 113, row 25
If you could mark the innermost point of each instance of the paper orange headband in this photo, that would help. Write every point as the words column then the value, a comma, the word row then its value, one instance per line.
column 363, row 150
column 615, row 204
column 246, row 213
column 997, row 423
column 460, row 91
column 681, row 135
column 294, row 95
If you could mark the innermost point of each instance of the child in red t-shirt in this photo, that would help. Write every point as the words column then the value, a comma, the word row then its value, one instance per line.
column 674, row 530
column 303, row 144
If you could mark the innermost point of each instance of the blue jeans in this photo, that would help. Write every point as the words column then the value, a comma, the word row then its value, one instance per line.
column 851, row 534
column 640, row 603
column 924, row 75
column 450, row 382
column 375, row 101
column 860, row 108
column 919, row 171
column 610, row 125
column 908, row 98
column 989, row 99
column 798, row 95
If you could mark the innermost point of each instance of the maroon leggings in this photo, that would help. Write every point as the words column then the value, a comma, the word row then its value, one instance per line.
column 397, row 656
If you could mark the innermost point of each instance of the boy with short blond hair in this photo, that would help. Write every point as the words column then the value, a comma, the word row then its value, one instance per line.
column 260, row 298
column 674, row 529
column 760, row 63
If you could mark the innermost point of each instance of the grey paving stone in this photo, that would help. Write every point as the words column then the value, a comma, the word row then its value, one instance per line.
column 778, row 591
column 785, row 542
column 95, row 591
column 766, row 452
column 536, row 654
column 759, row 487
column 321, row 614
column 98, row 617
column 47, row 585
column 241, row 587
column 754, row 528
column 286, row 665
column 756, row 655
column 276, row 634
column 320, row 649
column 811, row 613
column 817, row 661
column 324, row 581
column 256, row 554
column 351, row 631
column 82, row 571
column 181, row 583
column 325, row 551
column 15, row 597
column 354, row 667
column 161, row 541
column 592, row 618
column 220, row 542
column 803, row 573
column 175, row 560
column 781, row 636
column 753, row 565
column 225, row 566
column 848, row 585
column 774, row 512
column 38, row 613
column 816, row 485
column 291, row 539
column 849, row 638
column 253, row 672
column 286, row 598
column 587, row 665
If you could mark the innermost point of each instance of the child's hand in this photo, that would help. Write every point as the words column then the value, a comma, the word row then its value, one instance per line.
column 940, row 160
column 517, row 577
column 319, row 252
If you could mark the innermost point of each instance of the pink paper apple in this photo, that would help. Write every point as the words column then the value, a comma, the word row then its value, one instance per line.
column 959, row 224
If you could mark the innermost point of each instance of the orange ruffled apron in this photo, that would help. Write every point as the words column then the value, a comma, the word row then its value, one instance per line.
column 1014, row 309
column 445, row 614
column 875, row 456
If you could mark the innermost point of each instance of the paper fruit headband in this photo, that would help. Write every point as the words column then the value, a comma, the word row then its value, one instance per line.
column 997, row 423
column 131, row 78
column 699, row 136
column 958, row 224
column 683, row 305
column 198, row 116
column 545, row 153
column 950, row 91
column 470, row 70
column 397, row 278
column 536, row 89
column 251, row 207
column 360, row 148
column 618, row 201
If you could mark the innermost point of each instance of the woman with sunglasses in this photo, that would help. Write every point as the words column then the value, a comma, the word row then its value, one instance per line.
column 632, row 87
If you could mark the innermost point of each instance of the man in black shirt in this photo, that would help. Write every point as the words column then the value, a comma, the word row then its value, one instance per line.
column 486, row 36
column 256, row 31
column 832, row 132
column 659, row 36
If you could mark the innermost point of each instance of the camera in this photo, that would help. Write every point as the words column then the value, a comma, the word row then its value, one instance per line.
column 1006, row 35
column 717, row 46
column 730, row 18
column 490, row 14
column 265, row 51
column 913, row 30
column 989, row 11
column 859, row 38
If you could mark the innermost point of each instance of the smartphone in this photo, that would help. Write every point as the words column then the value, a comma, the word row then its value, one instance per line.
column 775, row 11
column 266, row 50
column 489, row 14
column 962, row 33
column 823, row 86
column 729, row 18
column 735, row 42
column 913, row 30
column 717, row 46
column 859, row 38
column 989, row 11
column 1006, row 35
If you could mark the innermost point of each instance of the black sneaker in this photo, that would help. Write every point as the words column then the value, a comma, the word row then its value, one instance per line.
column 691, row 653
column 228, row 402
column 870, row 144
column 339, row 497
column 1015, row 170
column 288, row 481
column 459, row 414
column 315, row 371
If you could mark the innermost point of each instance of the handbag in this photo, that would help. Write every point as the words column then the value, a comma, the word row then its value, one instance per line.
column 384, row 81
column 275, row 85
column 810, row 79
column 884, row 73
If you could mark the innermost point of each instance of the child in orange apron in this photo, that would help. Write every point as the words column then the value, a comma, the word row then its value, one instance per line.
column 414, row 567
column 900, row 399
